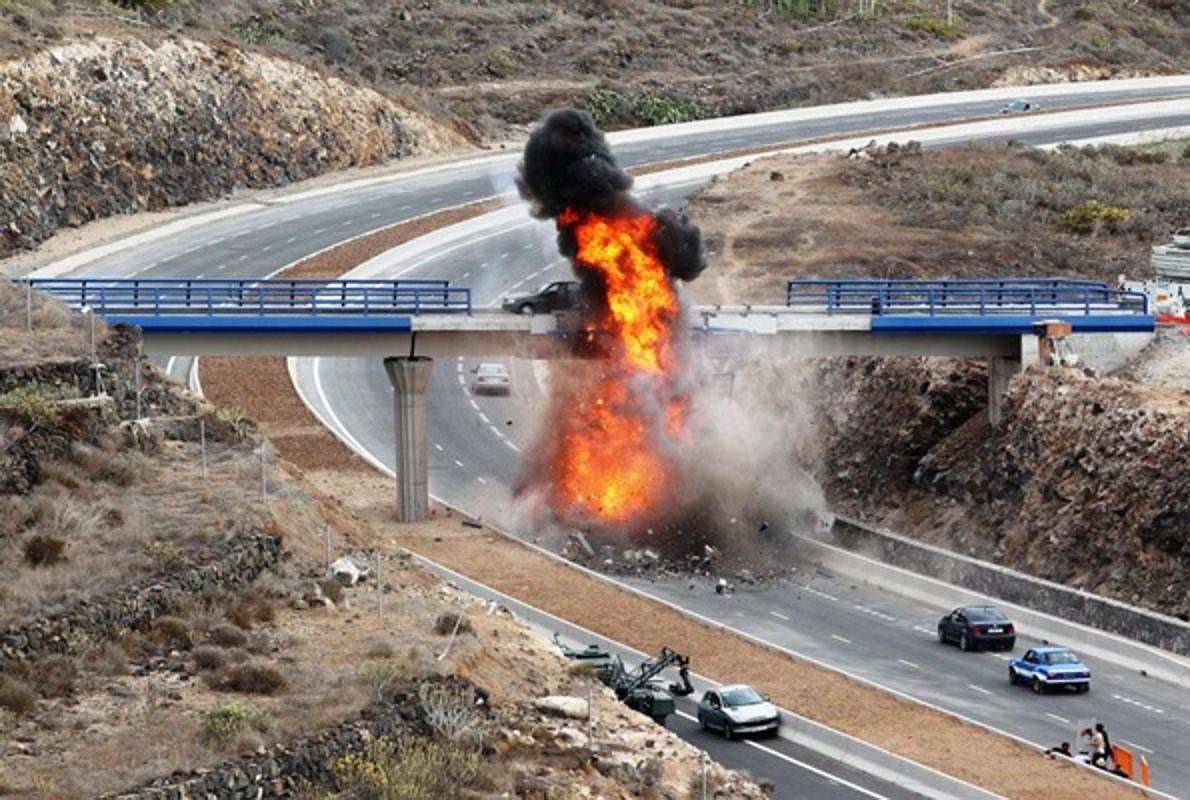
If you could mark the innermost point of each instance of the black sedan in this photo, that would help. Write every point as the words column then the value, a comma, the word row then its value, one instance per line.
column 977, row 627
column 555, row 296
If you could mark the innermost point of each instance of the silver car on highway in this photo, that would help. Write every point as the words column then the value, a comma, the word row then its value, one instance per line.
column 491, row 379
column 737, row 710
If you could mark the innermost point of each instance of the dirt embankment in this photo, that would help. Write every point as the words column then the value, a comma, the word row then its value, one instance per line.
column 1081, row 483
column 115, row 126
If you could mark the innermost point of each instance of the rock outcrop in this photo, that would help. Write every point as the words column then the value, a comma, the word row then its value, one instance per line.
column 88, row 130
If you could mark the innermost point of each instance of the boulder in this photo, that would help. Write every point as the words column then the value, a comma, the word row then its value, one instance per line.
column 560, row 705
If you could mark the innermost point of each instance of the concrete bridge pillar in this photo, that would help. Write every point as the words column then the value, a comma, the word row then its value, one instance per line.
column 1001, row 370
column 409, row 377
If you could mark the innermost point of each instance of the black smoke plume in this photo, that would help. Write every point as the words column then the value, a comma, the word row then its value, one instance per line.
column 568, row 165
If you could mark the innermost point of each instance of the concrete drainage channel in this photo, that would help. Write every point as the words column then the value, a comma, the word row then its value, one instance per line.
column 833, row 745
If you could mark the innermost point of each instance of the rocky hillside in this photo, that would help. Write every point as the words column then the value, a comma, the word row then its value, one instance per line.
column 1082, row 483
column 496, row 66
column 168, row 625
column 120, row 125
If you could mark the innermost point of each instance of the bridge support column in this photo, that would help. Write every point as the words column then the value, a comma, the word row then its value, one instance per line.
column 409, row 377
column 1001, row 370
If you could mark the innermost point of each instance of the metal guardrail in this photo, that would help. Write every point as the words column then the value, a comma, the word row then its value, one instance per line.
column 213, row 297
column 965, row 297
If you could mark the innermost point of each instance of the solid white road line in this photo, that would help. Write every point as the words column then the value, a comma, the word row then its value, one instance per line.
column 791, row 760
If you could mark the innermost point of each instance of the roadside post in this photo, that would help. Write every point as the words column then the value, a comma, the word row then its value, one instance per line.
column 29, row 306
column 703, row 759
column 202, row 444
column 326, row 533
column 264, row 481
column 379, row 594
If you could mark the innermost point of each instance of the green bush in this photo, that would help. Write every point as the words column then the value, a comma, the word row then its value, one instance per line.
column 257, row 31
column 605, row 106
column 223, row 723
column 934, row 26
column 37, row 402
column 662, row 109
column 800, row 9
column 1093, row 216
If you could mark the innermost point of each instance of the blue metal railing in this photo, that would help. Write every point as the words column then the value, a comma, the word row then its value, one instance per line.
column 272, row 297
column 968, row 297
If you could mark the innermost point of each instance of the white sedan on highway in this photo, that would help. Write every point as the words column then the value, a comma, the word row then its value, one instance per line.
column 491, row 379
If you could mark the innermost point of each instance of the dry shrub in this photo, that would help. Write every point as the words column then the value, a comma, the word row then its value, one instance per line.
column 16, row 696
column 445, row 624
column 121, row 470
column 15, row 515
column 332, row 589
column 108, row 660
column 379, row 648
column 226, row 635
column 166, row 556
column 452, row 712
column 249, row 609
column 173, row 632
column 253, row 678
column 42, row 550
column 209, row 657
column 57, row 675
column 412, row 767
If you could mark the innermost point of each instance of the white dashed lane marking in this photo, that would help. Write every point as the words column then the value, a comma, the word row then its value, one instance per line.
column 836, row 637
column 462, row 381
column 878, row 614
column 817, row 593
column 979, row 689
column 496, row 431
column 484, row 481
column 485, row 419
column 1139, row 747
column 458, row 463
column 779, row 615
column 513, row 446
column 438, row 447
column 1138, row 704
column 474, row 404
column 1063, row 720
column 909, row 664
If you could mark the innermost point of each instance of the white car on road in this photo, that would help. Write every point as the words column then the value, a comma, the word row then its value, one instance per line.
column 491, row 379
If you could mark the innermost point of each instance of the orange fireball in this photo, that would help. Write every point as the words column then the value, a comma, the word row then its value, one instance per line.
column 607, row 463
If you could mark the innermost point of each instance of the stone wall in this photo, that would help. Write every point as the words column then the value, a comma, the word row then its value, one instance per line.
column 92, row 621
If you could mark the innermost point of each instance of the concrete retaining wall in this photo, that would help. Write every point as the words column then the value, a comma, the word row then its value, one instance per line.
column 1110, row 630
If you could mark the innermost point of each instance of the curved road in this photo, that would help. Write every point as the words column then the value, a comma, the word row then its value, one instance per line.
column 476, row 442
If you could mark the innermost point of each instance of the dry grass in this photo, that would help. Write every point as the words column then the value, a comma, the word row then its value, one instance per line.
column 56, row 332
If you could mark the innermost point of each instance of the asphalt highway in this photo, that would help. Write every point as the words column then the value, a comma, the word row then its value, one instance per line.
column 476, row 442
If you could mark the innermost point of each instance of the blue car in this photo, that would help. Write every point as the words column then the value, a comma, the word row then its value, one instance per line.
column 1045, row 668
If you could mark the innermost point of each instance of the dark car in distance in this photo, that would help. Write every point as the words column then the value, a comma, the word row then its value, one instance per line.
column 977, row 628
column 551, row 297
